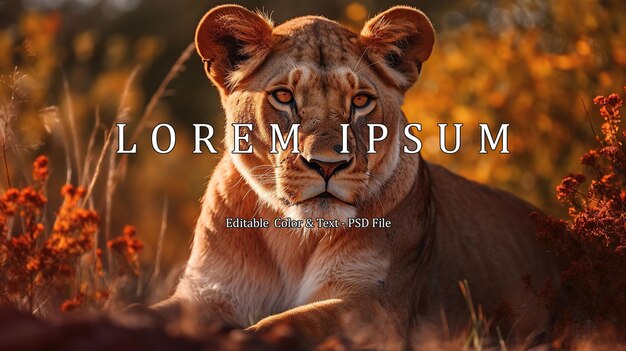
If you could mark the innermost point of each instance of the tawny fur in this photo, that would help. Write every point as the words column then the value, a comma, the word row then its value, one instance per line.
column 386, row 288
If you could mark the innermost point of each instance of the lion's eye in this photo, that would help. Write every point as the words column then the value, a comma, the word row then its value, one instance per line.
column 283, row 96
column 361, row 100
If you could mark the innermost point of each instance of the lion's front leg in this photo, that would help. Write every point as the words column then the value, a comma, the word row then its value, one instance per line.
column 365, row 323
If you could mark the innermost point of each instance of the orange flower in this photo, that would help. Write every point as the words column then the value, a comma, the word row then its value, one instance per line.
column 11, row 195
column 40, row 169
column 34, row 263
column 129, row 247
column 592, row 243
column 72, row 304
column 31, row 197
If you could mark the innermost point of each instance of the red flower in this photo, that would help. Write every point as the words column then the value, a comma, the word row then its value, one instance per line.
column 40, row 169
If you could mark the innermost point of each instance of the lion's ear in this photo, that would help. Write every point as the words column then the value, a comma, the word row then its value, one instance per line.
column 400, row 38
column 232, row 42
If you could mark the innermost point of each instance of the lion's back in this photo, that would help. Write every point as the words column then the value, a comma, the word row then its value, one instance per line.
column 484, row 235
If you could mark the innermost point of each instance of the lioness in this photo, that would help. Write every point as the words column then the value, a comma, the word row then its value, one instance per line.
column 382, row 287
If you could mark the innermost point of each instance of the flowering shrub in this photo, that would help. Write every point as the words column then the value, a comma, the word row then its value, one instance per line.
column 128, row 247
column 40, row 263
column 592, row 243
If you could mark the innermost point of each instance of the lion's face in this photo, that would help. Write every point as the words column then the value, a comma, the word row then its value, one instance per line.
column 314, row 72
column 319, row 181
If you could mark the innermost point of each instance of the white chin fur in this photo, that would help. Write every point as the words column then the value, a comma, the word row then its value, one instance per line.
column 328, row 211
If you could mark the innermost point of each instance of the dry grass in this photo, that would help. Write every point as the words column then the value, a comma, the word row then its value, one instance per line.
column 55, row 262
column 69, row 258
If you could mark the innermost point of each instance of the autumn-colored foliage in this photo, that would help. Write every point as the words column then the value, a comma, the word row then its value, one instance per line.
column 128, row 246
column 592, row 242
column 503, row 61
column 40, row 258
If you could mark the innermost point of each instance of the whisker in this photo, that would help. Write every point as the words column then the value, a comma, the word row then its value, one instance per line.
column 360, row 58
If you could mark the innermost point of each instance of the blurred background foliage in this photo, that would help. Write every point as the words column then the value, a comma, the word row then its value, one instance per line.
column 530, row 63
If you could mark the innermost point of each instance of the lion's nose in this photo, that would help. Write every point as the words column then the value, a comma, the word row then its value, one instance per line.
column 326, row 169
